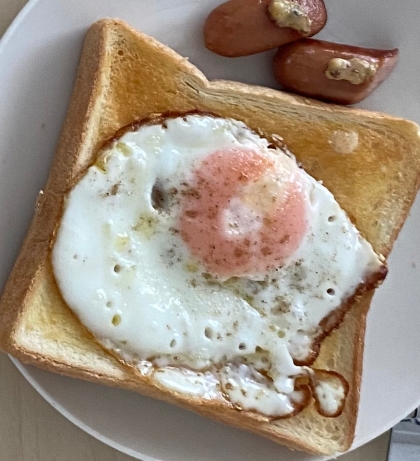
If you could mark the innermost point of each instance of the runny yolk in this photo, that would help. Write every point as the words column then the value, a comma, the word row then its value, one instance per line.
column 242, row 213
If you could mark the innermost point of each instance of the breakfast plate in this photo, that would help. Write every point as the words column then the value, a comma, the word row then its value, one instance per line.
column 38, row 61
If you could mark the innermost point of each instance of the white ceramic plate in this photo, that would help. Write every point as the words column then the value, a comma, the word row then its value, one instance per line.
column 38, row 59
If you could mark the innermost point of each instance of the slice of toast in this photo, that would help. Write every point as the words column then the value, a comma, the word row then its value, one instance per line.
column 125, row 76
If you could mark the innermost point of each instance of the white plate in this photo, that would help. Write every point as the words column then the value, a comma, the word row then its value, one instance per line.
column 38, row 59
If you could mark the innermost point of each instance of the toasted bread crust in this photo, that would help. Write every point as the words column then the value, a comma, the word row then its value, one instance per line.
column 125, row 76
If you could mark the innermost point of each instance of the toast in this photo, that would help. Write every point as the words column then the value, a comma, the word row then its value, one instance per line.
column 126, row 76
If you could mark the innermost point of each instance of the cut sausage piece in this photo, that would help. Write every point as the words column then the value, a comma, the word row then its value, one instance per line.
column 244, row 27
column 332, row 72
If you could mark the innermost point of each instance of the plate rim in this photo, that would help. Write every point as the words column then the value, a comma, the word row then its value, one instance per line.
column 70, row 417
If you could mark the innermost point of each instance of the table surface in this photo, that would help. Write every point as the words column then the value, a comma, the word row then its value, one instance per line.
column 31, row 430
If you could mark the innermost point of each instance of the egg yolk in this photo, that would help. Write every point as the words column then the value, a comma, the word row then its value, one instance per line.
column 243, row 213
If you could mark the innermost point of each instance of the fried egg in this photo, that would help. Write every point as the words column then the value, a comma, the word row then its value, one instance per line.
column 204, row 256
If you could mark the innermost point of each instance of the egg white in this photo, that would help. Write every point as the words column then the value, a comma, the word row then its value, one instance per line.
column 123, row 268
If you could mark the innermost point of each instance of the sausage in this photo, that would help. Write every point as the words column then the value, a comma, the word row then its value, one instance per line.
column 244, row 27
column 332, row 72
